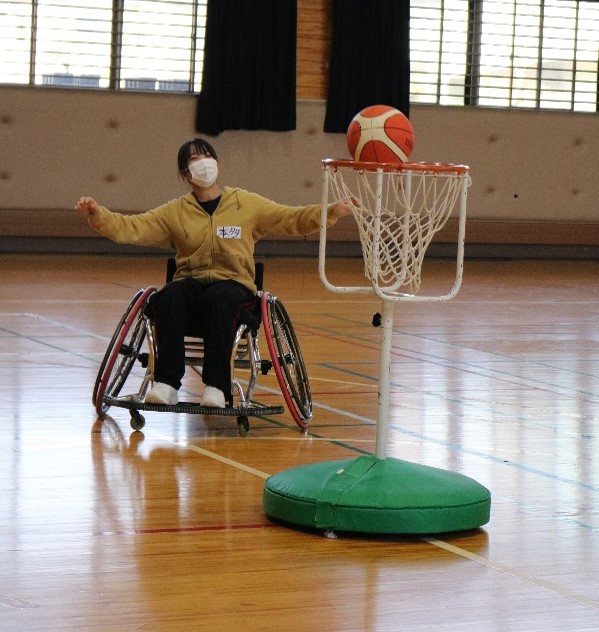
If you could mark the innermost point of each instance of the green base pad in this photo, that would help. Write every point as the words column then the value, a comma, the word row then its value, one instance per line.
column 370, row 495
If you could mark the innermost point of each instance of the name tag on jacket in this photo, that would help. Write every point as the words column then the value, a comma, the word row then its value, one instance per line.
column 228, row 232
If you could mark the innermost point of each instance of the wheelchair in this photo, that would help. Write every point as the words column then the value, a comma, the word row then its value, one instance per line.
column 132, row 352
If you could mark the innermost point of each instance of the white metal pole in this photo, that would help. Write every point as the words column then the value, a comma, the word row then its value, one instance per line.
column 382, row 421
column 322, row 246
column 386, row 333
column 376, row 228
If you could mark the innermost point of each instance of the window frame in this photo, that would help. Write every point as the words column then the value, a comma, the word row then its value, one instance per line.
column 113, row 74
column 477, row 82
column 575, row 87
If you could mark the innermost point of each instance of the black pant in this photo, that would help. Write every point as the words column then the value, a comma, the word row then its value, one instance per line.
column 212, row 312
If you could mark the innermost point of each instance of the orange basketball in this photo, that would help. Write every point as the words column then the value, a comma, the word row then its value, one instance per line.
column 380, row 133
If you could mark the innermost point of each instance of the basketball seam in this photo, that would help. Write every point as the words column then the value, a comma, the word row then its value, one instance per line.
column 380, row 119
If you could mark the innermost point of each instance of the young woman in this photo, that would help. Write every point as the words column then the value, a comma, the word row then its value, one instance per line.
column 213, row 231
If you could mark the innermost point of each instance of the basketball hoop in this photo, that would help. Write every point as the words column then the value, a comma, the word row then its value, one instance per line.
column 398, row 209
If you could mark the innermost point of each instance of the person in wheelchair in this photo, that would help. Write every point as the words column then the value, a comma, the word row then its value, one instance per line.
column 213, row 232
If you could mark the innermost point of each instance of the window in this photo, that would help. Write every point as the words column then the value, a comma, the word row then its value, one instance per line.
column 502, row 53
column 506, row 53
column 122, row 44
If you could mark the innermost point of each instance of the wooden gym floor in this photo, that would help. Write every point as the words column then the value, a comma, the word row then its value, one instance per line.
column 104, row 528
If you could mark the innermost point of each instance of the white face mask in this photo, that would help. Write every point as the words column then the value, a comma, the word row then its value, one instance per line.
column 203, row 171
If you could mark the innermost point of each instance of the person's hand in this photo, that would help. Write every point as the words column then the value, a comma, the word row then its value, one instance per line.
column 87, row 206
column 341, row 208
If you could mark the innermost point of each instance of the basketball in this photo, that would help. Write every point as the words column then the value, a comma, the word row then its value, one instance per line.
column 380, row 133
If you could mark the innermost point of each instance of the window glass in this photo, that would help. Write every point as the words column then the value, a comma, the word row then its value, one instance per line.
column 505, row 53
column 122, row 44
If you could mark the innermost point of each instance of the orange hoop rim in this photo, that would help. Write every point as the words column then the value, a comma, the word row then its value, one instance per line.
column 387, row 167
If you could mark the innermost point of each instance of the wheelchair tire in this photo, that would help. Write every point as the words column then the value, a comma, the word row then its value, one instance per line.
column 122, row 351
column 287, row 360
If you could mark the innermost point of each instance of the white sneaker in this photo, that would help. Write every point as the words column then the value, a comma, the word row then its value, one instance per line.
column 213, row 397
column 162, row 393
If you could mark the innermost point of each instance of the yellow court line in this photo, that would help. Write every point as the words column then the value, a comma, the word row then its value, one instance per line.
column 213, row 455
column 497, row 566
column 514, row 572
column 372, row 385
column 323, row 439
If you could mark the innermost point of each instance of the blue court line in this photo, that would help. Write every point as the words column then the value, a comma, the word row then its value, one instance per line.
column 534, row 510
column 464, row 403
column 43, row 343
column 458, row 448
column 478, row 368
column 414, row 354
column 367, row 420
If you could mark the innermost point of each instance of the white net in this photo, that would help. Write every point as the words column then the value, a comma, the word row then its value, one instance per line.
column 398, row 213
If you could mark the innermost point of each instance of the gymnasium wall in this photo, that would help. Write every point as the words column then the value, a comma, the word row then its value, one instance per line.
column 534, row 174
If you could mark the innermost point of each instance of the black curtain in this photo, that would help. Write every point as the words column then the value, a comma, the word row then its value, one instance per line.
column 248, row 80
column 370, row 59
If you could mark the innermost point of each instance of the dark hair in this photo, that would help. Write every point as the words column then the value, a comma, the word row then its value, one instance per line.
column 196, row 145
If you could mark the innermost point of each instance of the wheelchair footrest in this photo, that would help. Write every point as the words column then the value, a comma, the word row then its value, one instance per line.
column 252, row 409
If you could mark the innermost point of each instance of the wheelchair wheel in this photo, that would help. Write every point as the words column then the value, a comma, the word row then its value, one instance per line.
column 122, row 351
column 287, row 360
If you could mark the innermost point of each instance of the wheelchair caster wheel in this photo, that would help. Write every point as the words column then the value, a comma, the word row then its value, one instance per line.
column 138, row 421
column 243, row 425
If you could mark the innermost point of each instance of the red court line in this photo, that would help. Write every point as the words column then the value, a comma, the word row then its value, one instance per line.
column 219, row 527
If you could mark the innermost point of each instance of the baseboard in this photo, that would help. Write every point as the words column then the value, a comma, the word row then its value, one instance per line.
column 300, row 248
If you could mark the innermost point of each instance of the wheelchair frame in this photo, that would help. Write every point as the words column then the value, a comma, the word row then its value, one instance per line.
column 135, row 327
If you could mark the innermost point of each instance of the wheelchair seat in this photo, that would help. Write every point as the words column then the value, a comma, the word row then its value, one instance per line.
column 136, row 329
column 171, row 268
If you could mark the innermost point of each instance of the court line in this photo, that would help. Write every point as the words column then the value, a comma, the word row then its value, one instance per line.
column 423, row 438
column 496, row 566
column 311, row 437
column 469, row 403
column 348, row 414
column 211, row 455
column 461, row 366
column 514, row 572
column 458, row 448
column 345, row 382
column 45, row 344
column 217, row 527
column 57, row 323
column 510, row 571
column 450, row 446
